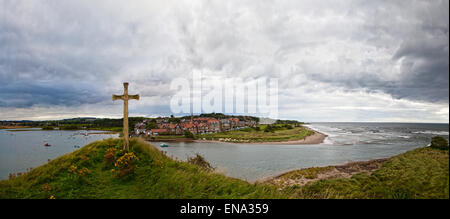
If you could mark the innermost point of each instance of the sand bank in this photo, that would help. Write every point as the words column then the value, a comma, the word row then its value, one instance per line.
column 289, row 178
column 316, row 138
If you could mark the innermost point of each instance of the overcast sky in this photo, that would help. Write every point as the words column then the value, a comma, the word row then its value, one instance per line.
column 381, row 61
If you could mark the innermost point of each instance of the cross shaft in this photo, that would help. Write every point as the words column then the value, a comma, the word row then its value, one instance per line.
column 125, row 97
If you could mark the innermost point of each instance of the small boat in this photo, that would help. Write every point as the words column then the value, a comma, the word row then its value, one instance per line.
column 164, row 145
column 47, row 144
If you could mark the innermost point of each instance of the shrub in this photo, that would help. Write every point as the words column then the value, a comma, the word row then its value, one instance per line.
column 79, row 172
column 47, row 127
column 78, row 175
column 268, row 128
column 201, row 162
column 73, row 169
column 126, row 164
column 288, row 126
column 110, row 156
column 439, row 142
column 83, row 172
column 189, row 134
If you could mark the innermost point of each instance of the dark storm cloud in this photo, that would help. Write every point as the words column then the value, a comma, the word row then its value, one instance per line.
column 53, row 55
column 425, row 68
column 25, row 94
column 424, row 74
column 419, row 32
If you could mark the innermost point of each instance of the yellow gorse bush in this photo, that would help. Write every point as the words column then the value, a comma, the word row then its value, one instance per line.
column 125, row 161
column 125, row 164
column 111, row 150
column 83, row 172
column 73, row 169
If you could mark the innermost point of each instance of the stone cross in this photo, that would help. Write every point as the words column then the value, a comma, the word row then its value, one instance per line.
column 125, row 97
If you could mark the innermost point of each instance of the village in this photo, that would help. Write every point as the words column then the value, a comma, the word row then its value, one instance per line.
column 195, row 125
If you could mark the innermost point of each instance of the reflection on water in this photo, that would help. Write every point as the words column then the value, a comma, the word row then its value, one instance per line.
column 24, row 149
column 346, row 142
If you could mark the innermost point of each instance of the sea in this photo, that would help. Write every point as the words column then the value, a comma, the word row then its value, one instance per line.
column 346, row 142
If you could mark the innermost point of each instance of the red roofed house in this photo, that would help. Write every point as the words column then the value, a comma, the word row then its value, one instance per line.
column 175, row 129
column 159, row 131
column 213, row 125
column 202, row 128
column 190, row 126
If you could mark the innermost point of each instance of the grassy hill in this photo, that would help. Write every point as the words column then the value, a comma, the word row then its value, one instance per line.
column 156, row 176
column 262, row 133
column 87, row 173
column 422, row 173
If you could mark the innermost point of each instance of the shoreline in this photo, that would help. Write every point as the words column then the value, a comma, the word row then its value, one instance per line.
column 345, row 170
column 316, row 138
column 103, row 133
column 170, row 140
column 14, row 127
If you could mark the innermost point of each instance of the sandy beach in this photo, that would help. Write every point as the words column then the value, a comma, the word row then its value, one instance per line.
column 316, row 138
column 13, row 127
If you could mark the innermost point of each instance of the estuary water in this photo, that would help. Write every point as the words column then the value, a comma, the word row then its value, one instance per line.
column 346, row 142
column 20, row 150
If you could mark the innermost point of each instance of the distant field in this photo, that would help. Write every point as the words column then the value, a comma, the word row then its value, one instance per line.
column 280, row 133
column 113, row 129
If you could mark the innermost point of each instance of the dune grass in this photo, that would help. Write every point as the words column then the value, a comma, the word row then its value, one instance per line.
column 418, row 174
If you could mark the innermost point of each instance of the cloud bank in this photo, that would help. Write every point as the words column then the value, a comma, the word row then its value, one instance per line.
column 335, row 60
